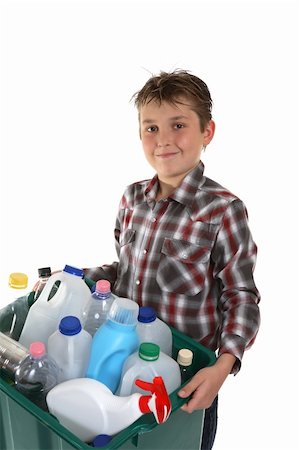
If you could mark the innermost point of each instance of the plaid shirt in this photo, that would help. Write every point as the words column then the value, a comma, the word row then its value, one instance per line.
column 191, row 257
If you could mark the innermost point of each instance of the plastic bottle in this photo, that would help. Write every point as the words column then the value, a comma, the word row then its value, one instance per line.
column 184, row 359
column 44, row 315
column 147, row 363
column 70, row 347
column 114, row 341
column 152, row 329
column 97, row 309
column 12, row 353
column 88, row 408
column 37, row 375
column 44, row 274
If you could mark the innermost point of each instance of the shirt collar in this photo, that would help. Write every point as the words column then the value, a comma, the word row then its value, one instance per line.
column 185, row 193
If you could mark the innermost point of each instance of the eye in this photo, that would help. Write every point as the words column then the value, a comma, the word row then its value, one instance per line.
column 152, row 129
column 178, row 126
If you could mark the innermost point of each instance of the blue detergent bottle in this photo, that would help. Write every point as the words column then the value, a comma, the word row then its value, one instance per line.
column 113, row 342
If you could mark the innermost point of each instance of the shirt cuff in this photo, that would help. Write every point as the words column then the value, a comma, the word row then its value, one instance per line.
column 234, row 345
column 105, row 272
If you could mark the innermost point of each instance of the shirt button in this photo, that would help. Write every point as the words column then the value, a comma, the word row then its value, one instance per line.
column 138, row 282
column 185, row 256
column 145, row 252
column 154, row 219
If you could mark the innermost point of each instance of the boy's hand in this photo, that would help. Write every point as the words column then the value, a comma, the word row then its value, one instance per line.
column 205, row 384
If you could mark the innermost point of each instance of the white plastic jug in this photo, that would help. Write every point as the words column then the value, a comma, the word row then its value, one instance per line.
column 70, row 348
column 45, row 314
column 152, row 329
column 146, row 364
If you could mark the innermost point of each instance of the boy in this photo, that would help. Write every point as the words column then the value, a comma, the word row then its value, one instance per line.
column 183, row 240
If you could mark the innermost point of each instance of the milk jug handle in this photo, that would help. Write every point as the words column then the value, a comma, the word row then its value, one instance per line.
column 158, row 403
column 49, row 285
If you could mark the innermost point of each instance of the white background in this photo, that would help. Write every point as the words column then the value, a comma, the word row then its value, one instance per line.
column 69, row 146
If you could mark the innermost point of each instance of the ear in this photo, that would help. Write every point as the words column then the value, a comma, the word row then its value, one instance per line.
column 209, row 132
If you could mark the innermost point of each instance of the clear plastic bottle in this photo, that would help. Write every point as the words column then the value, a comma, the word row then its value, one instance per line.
column 12, row 353
column 44, row 274
column 184, row 359
column 97, row 309
column 69, row 346
column 149, row 362
column 37, row 375
column 152, row 329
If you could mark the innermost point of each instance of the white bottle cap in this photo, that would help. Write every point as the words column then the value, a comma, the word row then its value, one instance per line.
column 185, row 357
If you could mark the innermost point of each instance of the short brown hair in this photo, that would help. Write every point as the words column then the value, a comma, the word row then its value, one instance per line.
column 170, row 87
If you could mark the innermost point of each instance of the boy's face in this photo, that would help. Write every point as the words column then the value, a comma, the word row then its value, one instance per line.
column 172, row 140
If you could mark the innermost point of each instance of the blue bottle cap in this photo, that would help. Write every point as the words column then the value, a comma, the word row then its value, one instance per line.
column 70, row 325
column 146, row 314
column 101, row 440
column 74, row 271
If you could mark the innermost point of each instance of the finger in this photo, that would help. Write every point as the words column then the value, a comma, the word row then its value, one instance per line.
column 190, row 406
column 186, row 408
column 189, row 388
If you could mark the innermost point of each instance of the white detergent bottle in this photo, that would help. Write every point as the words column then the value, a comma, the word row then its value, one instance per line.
column 146, row 364
column 45, row 314
column 88, row 408
column 70, row 347
column 152, row 329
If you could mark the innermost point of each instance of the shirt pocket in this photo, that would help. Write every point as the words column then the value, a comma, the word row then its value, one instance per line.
column 126, row 242
column 183, row 266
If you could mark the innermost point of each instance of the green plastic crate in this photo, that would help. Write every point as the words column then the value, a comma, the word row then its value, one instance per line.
column 24, row 426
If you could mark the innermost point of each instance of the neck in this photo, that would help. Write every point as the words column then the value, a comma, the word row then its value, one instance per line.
column 165, row 190
column 168, row 185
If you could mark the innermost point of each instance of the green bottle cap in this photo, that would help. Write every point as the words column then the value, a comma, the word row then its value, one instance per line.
column 148, row 351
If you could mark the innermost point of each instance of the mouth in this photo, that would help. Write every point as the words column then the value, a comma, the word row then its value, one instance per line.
column 167, row 155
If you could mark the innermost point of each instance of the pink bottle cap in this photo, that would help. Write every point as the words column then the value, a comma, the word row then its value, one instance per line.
column 103, row 286
column 37, row 349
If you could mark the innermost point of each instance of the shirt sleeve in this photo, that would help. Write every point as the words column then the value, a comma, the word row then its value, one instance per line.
column 234, row 255
column 105, row 272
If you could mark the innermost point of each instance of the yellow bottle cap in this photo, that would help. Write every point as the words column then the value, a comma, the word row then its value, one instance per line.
column 18, row 280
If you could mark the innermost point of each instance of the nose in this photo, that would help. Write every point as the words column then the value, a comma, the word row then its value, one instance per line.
column 163, row 138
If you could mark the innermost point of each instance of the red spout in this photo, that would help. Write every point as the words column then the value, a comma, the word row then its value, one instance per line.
column 158, row 403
